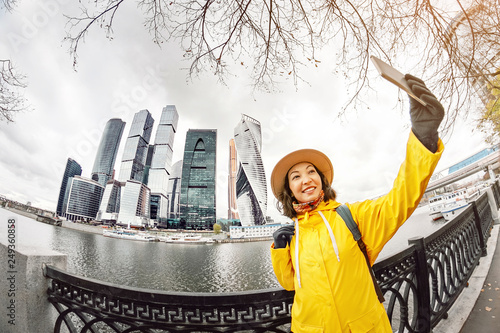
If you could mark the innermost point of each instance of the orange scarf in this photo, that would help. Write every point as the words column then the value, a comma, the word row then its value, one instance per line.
column 301, row 208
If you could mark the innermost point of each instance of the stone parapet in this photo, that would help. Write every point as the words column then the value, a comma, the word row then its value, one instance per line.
column 23, row 288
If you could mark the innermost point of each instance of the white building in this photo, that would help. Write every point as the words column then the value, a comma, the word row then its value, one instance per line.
column 134, row 204
column 110, row 203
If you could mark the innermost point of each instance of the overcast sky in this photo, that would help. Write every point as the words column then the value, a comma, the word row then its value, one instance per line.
column 116, row 79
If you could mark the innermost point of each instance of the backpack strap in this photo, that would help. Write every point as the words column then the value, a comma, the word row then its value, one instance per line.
column 346, row 215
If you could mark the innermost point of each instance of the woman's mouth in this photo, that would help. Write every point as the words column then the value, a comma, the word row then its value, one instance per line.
column 309, row 190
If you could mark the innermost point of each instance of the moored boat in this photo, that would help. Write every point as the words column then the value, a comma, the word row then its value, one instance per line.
column 454, row 204
column 187, row 239
column 125, row 234
column 436, row 205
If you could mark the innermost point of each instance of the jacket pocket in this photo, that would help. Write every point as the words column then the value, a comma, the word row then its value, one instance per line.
column 372, row 321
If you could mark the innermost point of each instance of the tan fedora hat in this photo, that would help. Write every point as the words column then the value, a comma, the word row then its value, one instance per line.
column 280, row 171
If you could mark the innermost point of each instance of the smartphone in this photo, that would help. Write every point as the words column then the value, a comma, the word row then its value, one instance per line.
column 394, row 76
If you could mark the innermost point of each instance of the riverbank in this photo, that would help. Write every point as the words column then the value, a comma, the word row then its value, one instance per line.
column 219, row 238
column 94, row 229
column 66, row 224
column 97, row 229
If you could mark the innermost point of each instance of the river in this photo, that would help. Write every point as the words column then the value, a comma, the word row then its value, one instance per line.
column 176, row 267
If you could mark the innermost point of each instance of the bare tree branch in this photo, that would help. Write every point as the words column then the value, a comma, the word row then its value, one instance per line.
column 453, row 45
column 11, row 101
column 8, row 4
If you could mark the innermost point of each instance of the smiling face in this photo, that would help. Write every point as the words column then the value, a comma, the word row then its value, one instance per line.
column 304, row 181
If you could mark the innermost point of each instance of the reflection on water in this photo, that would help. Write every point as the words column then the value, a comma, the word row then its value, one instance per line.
column 176, row 267
column 157, row 265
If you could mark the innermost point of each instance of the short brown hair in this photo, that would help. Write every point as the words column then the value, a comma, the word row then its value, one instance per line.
column 286, row 199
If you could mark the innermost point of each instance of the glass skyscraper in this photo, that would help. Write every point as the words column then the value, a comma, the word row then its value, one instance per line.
column 136, row 147
column 84, row 197
column 133, row 173
column 198, row 184
column 72, row 169
column 232, row 211
column 251, row 188
column 106, row 153
column 174, row 190
column 161, row 162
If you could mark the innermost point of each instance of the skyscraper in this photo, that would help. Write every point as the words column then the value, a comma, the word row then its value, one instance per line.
column 197, row 202
column 232, row 211
column 251, row 189
column 161, row 162
column 174, row 190
column 132, row 210
column 83, row 199
column 72, row 169
column 136, row 147
column 106, row 153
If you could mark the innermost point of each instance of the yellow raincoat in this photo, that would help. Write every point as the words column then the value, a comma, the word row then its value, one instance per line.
column 333, row 288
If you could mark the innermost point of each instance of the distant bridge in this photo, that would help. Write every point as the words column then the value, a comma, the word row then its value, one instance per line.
column 42, row 215
column 472, row 165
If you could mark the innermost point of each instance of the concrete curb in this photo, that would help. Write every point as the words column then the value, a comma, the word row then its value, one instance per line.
column 465, row 303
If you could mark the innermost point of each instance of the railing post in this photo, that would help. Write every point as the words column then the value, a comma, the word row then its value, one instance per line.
column 423, row 288
column 496, row 193
column 493, row 205
column 478, row 224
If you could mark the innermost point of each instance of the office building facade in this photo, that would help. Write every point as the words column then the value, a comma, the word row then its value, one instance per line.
column 251, row 187
column 161, row 162
column 134, row 204
column 110, row 203
column 232, row 211
column 136, row 147
column 72, row 169
column 174, row 190
column 198, row 184
column 83, row 199
column 105, row 158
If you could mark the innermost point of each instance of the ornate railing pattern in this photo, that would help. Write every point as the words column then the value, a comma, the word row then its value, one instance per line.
column 452, row 254
column 88, row 305
column 420, row 284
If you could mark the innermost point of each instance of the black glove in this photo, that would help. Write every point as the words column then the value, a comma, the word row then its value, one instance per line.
column 283, row 236
column 425, row 120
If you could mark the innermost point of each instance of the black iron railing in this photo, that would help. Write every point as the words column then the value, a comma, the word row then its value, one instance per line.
column 88, row 305
column 496, row 192
column 420, row 284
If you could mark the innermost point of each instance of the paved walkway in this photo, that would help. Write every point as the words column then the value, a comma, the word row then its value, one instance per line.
column 485, row 316
column 477, row 309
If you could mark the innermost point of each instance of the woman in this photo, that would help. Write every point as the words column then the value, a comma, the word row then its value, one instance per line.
column 318, row 257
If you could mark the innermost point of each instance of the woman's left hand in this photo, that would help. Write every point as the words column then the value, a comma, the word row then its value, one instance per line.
column 283, row 236
column 425, row 120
